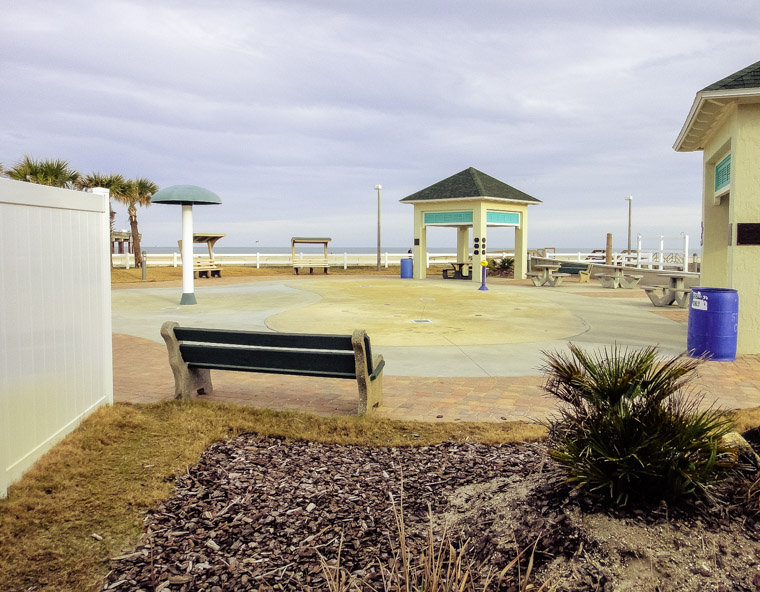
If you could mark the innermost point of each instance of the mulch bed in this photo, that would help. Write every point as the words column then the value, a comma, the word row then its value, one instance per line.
column 259, row 512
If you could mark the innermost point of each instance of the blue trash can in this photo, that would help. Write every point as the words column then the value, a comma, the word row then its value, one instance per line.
column 406, row 268
column 713, row 323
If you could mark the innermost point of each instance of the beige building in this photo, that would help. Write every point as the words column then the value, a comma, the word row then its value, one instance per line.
column 724, row 123
column 470, row 201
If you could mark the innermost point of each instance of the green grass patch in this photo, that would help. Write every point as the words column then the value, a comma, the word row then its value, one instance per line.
column 121, row 462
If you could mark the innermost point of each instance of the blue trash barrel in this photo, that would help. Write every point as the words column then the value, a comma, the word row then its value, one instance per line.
column 713, row 323
column 406, row 268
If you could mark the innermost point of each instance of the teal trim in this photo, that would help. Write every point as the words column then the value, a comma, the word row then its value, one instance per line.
column 448, row 217
column 723, row 173
column 503, row 218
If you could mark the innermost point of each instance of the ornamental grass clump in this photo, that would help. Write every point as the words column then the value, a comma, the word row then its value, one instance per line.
column 629, row 426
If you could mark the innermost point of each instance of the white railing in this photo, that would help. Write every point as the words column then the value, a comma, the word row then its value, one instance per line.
column 258, row 260
column 660, row 258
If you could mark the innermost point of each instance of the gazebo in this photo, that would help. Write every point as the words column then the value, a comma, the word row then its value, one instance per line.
column 470, row 200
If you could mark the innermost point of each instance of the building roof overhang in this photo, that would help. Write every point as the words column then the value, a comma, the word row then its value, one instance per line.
column 708, row 112
column 448, row 200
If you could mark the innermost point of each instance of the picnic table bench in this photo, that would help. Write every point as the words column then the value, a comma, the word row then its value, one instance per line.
column 618, row 279
column 459, row 272
column 548, row 276
column 666, row 295
column 194, row 352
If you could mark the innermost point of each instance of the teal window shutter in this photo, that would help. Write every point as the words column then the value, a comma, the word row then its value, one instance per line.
column 723, row 173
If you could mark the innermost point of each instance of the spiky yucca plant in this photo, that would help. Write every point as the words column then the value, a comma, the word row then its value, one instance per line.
column 630, row 427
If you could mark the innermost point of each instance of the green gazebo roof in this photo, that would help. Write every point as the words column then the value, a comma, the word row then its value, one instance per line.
column 748, row 77
column 471, row 183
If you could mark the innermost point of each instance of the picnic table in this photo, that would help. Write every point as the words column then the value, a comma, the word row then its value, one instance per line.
column 461, row 271
column 671, row 293
column 547, row 275
column 618, row 279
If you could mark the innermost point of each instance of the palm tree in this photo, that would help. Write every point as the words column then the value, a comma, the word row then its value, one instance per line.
column 115, row 184
column 138, row 193
column 55, row 173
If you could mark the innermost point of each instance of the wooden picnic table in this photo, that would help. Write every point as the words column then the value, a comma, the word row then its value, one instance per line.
column 618, row 279
column 547, row 275
column 672, row 293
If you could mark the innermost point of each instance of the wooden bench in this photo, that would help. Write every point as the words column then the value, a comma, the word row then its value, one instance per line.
column 204, row 267
column 194, row 352
column 584, row 275
column 311, row 264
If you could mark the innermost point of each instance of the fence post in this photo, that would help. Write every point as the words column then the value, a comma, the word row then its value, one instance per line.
column 345, row 260
column 685, row 251
column 126, row 258
column 258, row 261
column 427, row 260
column 638, row 250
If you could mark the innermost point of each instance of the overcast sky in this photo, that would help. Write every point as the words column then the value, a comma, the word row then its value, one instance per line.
column 291, row 111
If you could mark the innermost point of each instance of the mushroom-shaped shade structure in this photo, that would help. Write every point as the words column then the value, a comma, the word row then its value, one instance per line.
column 186, row 196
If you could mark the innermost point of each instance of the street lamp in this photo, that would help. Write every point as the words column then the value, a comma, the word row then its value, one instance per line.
column 378, row 187
column 629, row 199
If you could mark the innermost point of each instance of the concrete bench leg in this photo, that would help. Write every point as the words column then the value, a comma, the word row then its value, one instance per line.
column 370, row 391
column 682, row 300
column 187, row 381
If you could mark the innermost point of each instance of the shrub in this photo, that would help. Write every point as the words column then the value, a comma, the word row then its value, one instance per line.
column 503, row 266
column 629, row 427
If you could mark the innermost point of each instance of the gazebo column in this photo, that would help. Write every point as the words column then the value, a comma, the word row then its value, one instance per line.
column 521, row 246
column 479, row 231
column 419, row 250
column 463, row 243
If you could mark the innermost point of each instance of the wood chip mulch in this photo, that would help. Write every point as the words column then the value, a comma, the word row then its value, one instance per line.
column 257, row 513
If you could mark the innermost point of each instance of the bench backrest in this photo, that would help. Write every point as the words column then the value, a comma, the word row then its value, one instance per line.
column 286, row 353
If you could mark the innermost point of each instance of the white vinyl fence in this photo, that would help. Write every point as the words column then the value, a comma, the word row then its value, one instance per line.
column 55, row 318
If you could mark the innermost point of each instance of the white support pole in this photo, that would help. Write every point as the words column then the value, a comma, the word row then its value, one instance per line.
column 685, row 251
column 188, row 292
column 345, row 260
column 662, row 253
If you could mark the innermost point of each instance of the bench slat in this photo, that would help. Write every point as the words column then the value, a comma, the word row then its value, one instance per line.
column 265, row 339
column 334, row 364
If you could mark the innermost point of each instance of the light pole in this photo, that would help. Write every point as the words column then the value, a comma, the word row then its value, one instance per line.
column 629, row 199
column 378, row 187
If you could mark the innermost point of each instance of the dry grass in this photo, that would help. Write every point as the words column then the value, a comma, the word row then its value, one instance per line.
column 162, row 274
column 121, row 462
column 746, row 419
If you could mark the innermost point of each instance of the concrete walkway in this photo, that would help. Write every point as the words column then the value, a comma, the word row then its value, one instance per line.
column 475, row 357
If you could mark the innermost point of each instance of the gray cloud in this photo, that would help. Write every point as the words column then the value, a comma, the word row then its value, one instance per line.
column 292, row 110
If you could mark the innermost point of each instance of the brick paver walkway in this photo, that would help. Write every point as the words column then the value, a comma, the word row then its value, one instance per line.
column 142, row 375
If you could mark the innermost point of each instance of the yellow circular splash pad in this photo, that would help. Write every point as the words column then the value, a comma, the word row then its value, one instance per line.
column 426, row 313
